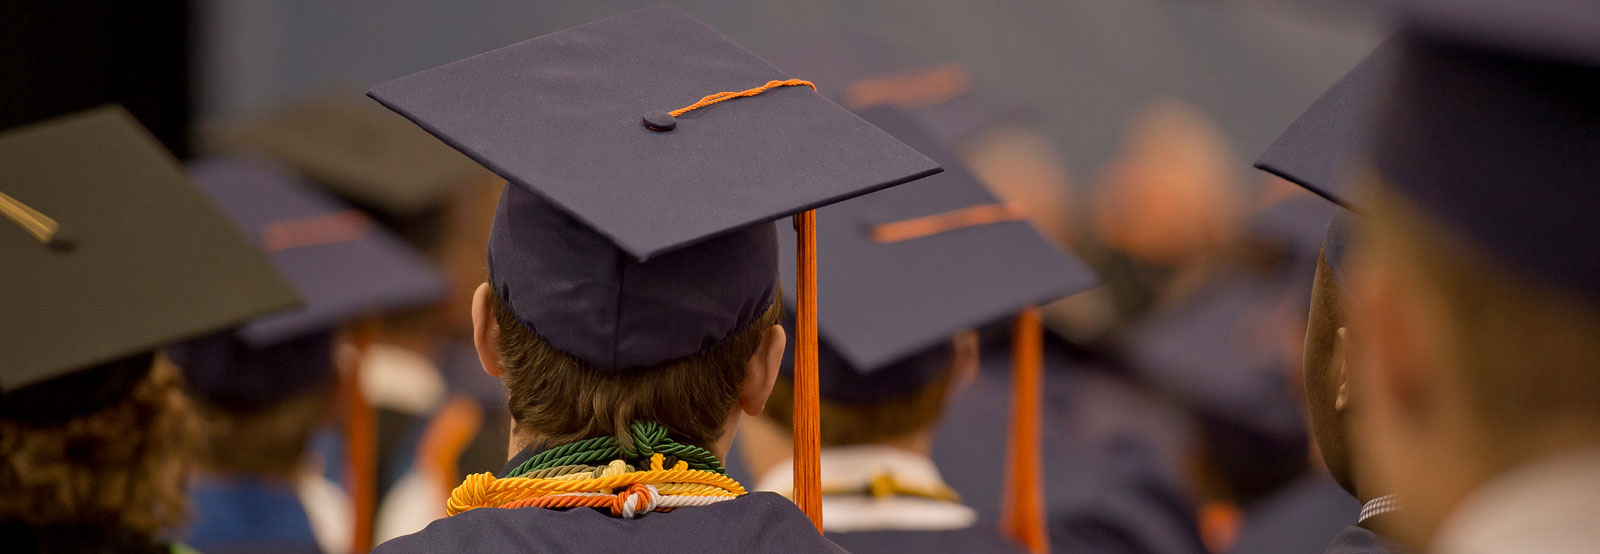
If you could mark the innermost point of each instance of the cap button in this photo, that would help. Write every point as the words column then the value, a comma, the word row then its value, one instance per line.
column 660, row 121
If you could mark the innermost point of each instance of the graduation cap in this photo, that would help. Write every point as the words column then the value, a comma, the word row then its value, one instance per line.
column 862, row 72
column 342, row 264
column 920, row 263
column 361, row 152
column 111, row 253
column 1486, row 120
column 916, row 265
column 647, row 156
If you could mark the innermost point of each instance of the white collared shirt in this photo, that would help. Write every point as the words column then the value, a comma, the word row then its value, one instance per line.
column 1550, row 506
column 854, row 468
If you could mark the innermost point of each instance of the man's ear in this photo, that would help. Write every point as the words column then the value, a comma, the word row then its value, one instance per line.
column 964, row 360
column 761, row 372
column 1339, row 364
column 486, row 331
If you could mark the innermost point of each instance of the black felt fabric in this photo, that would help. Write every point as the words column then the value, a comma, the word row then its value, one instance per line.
column 1302, row 518
column 154, row 261
column 970, row 539
column 756, row 522
column 1359, row 540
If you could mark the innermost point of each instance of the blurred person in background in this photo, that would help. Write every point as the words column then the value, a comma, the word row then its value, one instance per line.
column 438, row 415
column 1474, row 280
column 123, row 255
column 894, row 358
column 274, row 380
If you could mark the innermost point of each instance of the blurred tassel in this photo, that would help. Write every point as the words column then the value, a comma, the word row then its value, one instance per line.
column 1022, row 516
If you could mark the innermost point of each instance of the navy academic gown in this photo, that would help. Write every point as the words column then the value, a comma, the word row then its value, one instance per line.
column 1355, row 539
column 970, row 539
column 242, row 515
column 755, row 522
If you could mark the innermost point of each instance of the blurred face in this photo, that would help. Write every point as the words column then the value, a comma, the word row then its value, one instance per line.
column 1412, row 432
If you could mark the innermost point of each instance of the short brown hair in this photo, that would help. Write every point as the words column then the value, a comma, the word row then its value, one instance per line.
column 122, row 466
column 848, row 423
column 1527, row 352
column 561, row 399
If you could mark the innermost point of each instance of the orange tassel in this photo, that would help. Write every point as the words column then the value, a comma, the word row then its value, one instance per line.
column 721, row 96
column 1022, row 512
column 361, row 454
column 807, row 427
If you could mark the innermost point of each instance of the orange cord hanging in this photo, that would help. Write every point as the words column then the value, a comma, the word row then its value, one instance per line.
column 721, row 96
column 971, row 216
column 1022, row 511
column 807, row 427
column 361, row 449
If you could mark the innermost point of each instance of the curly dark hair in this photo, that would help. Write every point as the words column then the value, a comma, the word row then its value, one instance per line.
column 122, row 466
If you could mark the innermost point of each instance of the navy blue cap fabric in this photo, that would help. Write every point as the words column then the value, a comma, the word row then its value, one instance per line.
column 626, row 246
column 1319, row 149
column 887, row 310
column 1336, row 243
column 862, row 72
column 342, row 264
column 1490, row 126
column 225, row 371
column 147, row 259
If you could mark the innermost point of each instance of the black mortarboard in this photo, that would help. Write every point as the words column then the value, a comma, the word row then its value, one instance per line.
column 1487, row 122
column 342, row 264
column 890, row 305
column 1318, row 149
column 111, row 252
column 627, row 246
column 360, row 152
column 862, row 72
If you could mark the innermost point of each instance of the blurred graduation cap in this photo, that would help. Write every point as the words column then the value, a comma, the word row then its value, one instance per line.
column 917, row 264
column 112, row 254
column 361, row 152
column 862, row 72
column 343, row 265
column 1486, row 120
column 1219, row 353
column 634, row 231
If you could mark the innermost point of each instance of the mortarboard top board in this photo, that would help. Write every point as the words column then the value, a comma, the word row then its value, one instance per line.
column 145, row 258
column 1316, row 150
column 595, row 193
column 360, row 152
column 344, row 266
column 862, row 72
column 891, row 308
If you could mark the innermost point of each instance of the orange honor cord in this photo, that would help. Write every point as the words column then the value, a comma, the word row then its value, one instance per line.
column 807, row 426
column 960, row 218
column 361, row 455
column 1022, row 512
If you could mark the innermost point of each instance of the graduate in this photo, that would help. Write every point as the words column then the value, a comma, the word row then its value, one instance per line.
column 1313, row 152
column 1472, row 280
column 274, row 379
column 417, row 370
column 633, row 298
column 111, row 254
column 915, row 270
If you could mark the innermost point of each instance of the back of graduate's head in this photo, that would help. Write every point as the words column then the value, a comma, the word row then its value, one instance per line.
column 121, row 463
column 557, row 398
column 1326, row 357
column 894, row 404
